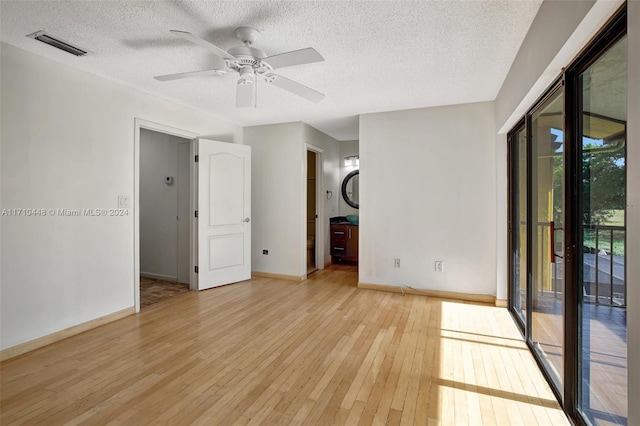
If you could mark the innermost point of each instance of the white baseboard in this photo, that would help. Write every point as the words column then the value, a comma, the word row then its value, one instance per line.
column 31, row 345
column 467, row 297
column 158, row 277
column 278, row 276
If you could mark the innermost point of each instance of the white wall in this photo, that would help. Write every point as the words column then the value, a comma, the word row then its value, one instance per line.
column 633, row 211
column 159, row 204
column 330, row 180
column 347, row 148
column 278, row 199
column 535, row 66
column 68, row 142
column 276, row 196
column 429, row 195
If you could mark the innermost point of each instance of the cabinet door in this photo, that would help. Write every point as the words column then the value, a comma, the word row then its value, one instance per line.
column 352, row 243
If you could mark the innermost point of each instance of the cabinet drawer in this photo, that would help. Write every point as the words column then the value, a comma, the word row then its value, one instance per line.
column 338, row 250
column 338, row 242
column 339, row 234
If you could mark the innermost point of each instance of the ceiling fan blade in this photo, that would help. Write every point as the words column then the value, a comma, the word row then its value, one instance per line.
column 295, row 88
column 200, row 42
column 244, row 95
column 190, row 74
column 295, row 57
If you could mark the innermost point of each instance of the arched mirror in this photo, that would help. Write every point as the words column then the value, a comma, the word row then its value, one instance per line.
column 351, row 189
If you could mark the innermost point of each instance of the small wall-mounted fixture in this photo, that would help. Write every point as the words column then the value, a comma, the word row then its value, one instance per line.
column 168, row 180
column 352, row 160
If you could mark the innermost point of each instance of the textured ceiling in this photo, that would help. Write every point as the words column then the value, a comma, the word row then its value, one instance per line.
column 379, row 55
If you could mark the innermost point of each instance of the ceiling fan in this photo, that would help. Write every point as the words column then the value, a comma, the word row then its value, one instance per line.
column 251, row 63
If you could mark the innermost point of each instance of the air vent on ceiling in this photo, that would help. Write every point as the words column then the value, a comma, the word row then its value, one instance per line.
column 58, row 43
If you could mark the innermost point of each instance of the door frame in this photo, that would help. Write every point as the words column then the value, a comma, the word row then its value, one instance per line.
column 320, row 236
column 513, row 223
column 140, row 124
column 191, row 232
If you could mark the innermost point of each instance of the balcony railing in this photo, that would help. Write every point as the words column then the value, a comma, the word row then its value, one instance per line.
column 604, row 271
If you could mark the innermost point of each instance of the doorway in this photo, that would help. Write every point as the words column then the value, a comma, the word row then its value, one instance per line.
column 220, row 195
column 141, row 125
column 312, row 212
column 165, row 199
column 313, row 228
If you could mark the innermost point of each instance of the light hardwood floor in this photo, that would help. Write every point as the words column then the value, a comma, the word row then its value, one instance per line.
column 604, row 361
column 268, row 351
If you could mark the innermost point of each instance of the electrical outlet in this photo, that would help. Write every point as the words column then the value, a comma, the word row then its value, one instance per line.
column 396, row 263
column 265, row 252
column 439, row 266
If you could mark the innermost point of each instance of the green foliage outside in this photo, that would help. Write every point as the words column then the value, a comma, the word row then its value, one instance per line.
column 603, row 184
column 603, row 196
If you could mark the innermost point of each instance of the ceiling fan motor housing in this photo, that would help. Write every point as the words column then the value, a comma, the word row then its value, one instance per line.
column 248, row 63
column 245, row 56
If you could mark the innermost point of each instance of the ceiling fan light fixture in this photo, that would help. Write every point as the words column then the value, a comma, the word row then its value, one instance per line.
column 247, row 75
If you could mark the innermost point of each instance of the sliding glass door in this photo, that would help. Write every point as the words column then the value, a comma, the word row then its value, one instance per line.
column 567, row 230
column 602, row 103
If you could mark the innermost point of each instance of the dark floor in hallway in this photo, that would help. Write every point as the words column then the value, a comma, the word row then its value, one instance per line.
column 153, row 291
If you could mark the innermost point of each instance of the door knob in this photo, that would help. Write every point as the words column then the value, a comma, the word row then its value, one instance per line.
column 246, row 219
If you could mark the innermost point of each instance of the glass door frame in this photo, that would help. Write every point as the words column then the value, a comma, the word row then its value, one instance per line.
column 513, row 223
column 553, row 89
column 568, row 81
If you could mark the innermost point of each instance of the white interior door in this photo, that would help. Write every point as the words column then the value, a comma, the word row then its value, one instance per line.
column 224, row 213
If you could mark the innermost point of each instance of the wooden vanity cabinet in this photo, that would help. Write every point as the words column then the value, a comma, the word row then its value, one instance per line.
column 344, row 243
